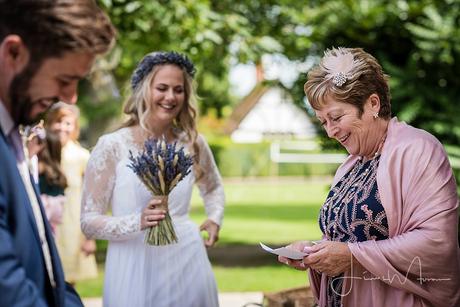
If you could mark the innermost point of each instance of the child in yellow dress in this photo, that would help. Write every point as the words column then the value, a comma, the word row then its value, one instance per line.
column 77, row 253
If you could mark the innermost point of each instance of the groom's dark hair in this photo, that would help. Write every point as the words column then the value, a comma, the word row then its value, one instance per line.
column 49, row 28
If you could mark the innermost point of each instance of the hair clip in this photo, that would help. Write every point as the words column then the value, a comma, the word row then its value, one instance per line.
column 338, row 64
column 339, row 79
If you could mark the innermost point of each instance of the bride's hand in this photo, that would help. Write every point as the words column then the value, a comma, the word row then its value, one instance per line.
column 88, row 247
column 150, row 216
column 213, row 232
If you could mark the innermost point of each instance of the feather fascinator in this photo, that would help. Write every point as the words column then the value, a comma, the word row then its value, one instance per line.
column 339, row 63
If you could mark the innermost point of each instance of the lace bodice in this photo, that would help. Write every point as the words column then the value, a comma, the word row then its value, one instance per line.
column 110, row 186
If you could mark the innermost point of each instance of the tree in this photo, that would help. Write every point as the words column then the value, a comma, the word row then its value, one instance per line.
column 211, row 33
column 418, row 45
column 415, row 43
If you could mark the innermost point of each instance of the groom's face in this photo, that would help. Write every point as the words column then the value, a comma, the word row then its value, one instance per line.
column 34, row 90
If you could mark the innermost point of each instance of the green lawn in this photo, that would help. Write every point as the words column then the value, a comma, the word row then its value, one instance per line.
column 235, row 279
column 273, row 211
column 254, row 279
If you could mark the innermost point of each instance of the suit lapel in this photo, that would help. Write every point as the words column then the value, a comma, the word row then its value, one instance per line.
column 22, row 193
column 22, row 189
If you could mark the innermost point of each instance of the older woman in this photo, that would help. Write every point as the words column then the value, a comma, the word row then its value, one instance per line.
column 390, row 219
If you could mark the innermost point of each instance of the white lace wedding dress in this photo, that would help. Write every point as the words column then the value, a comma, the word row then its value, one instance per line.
column 136, row 274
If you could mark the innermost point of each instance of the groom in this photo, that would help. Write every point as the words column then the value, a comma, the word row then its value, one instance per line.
column 46, row 46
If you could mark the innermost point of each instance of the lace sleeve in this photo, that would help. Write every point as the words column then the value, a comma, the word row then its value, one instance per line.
column 210, row 184
column 97, row 193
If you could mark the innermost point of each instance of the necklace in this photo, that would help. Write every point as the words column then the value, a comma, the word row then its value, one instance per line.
column 379, row 148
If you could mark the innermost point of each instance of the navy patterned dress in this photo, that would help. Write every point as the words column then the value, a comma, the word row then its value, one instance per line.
column 353, row 212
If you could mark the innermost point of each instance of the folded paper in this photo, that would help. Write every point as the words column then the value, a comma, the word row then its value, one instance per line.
column 285, row 252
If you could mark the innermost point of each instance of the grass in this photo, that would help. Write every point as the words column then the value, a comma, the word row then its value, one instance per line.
column 235, row 279
column 92, row 287
column 273, row 211
column 266, row 278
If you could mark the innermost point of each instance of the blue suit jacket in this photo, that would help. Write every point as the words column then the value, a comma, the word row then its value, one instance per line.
column 23, row 277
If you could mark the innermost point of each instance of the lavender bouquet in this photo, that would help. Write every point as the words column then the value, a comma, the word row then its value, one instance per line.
column 160, row 166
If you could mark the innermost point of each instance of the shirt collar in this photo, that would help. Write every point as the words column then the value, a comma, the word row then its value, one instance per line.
column 6, row 122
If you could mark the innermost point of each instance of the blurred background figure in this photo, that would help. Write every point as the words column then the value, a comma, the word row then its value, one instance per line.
column 77, row 253
column 52, row 181
column 44, row 151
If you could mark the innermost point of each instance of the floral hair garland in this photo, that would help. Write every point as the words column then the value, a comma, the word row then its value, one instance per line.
column 160, row 58
column 339, row 64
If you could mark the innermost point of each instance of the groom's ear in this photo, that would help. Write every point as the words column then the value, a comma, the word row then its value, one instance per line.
column 14, row 55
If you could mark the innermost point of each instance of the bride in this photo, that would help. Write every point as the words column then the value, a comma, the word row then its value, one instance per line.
column 136, row 274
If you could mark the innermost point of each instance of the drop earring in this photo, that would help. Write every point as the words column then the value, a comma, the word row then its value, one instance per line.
column 376, row 115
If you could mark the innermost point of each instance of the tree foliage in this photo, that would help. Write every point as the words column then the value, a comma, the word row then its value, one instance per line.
column 214, row 34
column 416, row 41
column 211, row 33
column 418, row 45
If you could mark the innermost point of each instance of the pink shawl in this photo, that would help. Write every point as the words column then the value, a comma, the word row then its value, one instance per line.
column 419, row 265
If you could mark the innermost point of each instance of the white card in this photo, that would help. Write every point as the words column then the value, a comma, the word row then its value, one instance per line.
column 284, row 251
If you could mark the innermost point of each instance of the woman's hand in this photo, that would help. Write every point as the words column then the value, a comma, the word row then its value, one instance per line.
column 53, row 207
column 150, row 216
column 329, row 257
column 296, row 264
column 213, row 232
column 88, row 247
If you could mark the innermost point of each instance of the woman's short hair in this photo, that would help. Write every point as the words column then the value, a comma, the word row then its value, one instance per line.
column 348, row 75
